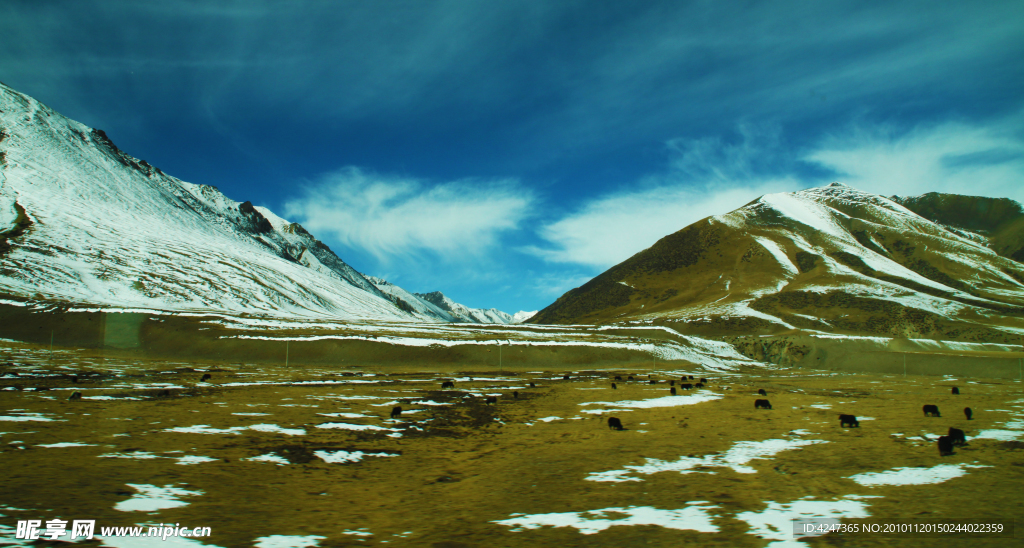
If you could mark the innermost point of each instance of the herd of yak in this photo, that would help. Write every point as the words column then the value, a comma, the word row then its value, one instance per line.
column 955, row 437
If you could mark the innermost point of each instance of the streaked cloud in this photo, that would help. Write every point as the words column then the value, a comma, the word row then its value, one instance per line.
column 704, row 177
column 953, row 157
column 390, row 217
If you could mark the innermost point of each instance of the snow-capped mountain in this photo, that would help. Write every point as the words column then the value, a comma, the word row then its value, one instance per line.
column 82, row 222
column 829, row 259
column 523, row 315
column 463, row 313
column 437, row 306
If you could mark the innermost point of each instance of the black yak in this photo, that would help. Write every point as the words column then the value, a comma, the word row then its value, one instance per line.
column 76, row 395
column 447, row 384
column 396, row 412
column 931, row 410
column 672, row 390
column 761, row 392
column 614, row 387
column 968, row 412
column 957, row 436
column 206, row 377
column 515, row 395
column 945, row 446
column 615, row 423
column 848, row 420
column 956, row 391
column 762, row 404
column 491, row 399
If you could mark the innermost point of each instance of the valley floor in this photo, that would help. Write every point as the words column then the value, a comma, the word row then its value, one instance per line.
column 309, row 456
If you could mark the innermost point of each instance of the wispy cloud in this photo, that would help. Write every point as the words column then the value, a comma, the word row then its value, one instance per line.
column 704, row 177
column 954, row 157
column 392, row 217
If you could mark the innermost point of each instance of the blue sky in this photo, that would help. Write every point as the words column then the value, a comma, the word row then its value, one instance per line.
column 506, row 152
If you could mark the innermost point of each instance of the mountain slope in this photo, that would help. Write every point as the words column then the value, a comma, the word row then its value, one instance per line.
column 999, row 220
column 463, row 313
column 830, row 259
column 83, row 222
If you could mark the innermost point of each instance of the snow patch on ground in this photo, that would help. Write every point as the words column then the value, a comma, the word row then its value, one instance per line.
column 735, row 458
column 695, row 516
column 914, row 475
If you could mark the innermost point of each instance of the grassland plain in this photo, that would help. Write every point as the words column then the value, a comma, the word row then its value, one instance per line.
column 311, row 451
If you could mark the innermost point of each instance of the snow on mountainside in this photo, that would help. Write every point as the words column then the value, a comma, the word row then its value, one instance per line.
column 522, row 316
column 82, row 222
column 830, row 259
column 464, row 313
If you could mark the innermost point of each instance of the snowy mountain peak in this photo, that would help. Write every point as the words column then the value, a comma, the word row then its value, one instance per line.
column 83, row 222
column 464, row 313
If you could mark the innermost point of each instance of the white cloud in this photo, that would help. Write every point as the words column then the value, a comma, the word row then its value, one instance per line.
column 705, row 177
column 953, row 157
column 391, row 217
column 612, row 228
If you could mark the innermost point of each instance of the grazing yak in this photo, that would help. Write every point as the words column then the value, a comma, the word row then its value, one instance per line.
column 614, row 387
column 206, row 377
column 396, row 412
column 850, row 420
column 931, row 410
column 614, row 422
column 533, row 385
column 762, row 404
column 956, row 391
column 699, row 385
column 618, row 377
column 957, row 436
column 76, row 395
column 968, row 412
column 515, row 395
column 491, row 399
column 652, row 381
column 761, row 392
column 629, row 378
column 685, row 386
column 163, row 393
column 691, row 377
column 945, row 446
column 672, row 390
column 74, row 379
column 565, row 377
column 447, row 384
column 671, row 383
column 703, row 380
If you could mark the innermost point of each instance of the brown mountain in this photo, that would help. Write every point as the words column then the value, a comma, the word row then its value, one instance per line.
column 828, row 260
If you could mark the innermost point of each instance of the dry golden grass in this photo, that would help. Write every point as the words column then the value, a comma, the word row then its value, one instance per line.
column 473, row 464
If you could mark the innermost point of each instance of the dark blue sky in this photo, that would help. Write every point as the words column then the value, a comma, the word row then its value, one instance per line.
column 505, row 152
